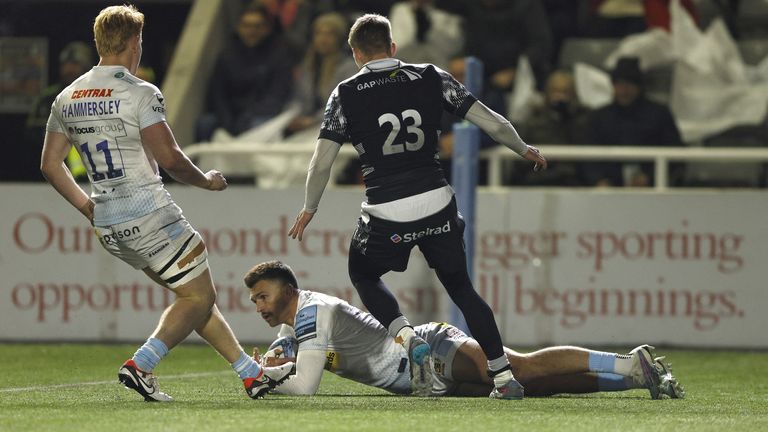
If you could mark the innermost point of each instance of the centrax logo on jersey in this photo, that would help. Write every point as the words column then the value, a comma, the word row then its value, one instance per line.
column 77, row 94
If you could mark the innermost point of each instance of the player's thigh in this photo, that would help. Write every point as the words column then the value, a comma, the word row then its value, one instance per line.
column 444, row 248
column 376, row 248
column 470, row 364
column 200, row 287
column 457, row 359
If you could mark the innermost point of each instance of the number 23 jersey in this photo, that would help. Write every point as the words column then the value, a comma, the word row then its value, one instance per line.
column 102, row 114
column 391, row 111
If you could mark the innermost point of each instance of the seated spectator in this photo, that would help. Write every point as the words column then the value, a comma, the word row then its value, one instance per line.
column 74, row 60
column 558, row 119
column 252, row 78
column 424, row 33
column 326, row 63
column 631, row 119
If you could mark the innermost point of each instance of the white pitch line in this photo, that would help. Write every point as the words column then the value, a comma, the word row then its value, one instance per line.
column 93, row 383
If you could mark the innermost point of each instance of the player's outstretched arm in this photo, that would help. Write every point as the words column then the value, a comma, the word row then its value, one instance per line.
column 317, row 179
column 160, row 142
column 309, row 372
column 502, row 131
column 55, row 149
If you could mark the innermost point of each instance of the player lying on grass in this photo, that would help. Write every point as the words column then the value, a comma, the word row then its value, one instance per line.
column 329, row 333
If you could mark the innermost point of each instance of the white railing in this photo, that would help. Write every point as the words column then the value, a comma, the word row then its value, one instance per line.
column 660, row 156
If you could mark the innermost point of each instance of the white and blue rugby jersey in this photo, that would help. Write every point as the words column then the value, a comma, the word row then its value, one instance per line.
column 356, row 346
column 102, row 114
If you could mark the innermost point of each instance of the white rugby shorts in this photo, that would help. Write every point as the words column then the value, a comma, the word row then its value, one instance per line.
column 444, row 340
column 162, row 241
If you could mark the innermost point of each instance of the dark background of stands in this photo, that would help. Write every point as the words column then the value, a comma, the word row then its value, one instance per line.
column 63, row 22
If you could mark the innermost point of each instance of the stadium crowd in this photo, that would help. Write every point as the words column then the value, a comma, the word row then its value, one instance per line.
column 589, row 72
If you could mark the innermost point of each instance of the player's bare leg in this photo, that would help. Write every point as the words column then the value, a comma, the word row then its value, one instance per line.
column 216, row 331
column 192, row 306
column 548, row 371
column 256, row 379
column 213, row 328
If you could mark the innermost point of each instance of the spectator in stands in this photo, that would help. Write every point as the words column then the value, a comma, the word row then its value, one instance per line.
column 326, row 63
column 252, row 78
column 74, row 60
column 631, row 119
column 425, row 34
column 558, row 119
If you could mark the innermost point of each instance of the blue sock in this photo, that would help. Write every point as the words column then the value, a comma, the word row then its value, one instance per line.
column 150, row 354
column 246, row 367
column 602, row 362
column 613, row 382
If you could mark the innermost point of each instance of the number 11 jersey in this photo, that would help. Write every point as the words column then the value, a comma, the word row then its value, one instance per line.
column 102, row 114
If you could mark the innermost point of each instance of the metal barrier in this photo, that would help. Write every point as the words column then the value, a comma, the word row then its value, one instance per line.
column 660, row 156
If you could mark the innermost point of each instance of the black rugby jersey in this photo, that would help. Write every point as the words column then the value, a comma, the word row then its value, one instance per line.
column 390, row 111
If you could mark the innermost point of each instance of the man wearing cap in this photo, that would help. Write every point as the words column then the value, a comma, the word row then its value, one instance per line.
column 631, row 119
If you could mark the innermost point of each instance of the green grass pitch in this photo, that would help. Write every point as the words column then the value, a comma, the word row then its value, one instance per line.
column 72, row 387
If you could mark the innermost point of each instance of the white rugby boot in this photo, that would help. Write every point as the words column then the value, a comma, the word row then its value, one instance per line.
column 269, row 378
column 144, row 383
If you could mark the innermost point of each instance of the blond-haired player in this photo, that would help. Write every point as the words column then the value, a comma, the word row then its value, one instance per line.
column 117, row 124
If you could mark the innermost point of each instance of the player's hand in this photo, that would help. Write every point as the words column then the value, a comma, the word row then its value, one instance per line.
column 534, row 155
column 301, row 222
column 216, row 180
column 271, row 360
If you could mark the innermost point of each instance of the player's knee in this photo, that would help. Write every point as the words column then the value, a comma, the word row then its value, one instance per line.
column 454, row 277
column 200, row 291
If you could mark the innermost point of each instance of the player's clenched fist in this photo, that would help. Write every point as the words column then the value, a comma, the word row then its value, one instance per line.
column 216, row 180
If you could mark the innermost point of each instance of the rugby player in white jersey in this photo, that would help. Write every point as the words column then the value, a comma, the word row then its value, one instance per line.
column 338, row 337
column 117, row 124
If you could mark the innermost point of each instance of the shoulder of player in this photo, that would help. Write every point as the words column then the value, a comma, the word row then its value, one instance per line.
column 420, row 67
column 143, row 87
column 321, row 300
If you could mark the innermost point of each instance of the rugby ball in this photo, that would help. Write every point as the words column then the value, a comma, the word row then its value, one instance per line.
column 289, row 345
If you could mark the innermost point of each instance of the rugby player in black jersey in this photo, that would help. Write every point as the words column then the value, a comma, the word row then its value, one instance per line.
column 390, row 111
